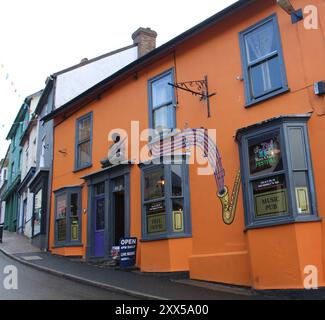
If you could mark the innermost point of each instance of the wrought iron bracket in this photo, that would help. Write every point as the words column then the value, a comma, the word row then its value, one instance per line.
column 198, row 88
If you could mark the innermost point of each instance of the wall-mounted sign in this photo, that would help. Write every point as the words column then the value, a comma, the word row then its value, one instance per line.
column 156, row 223
column 302, row 200
column 270, row 196
column 271, row 203
column 128, row 252
column 156, row 207
column 178, row 221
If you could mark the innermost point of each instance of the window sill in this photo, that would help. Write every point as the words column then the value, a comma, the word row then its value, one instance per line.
column 267, row 97
column 264, row 224
column 76, row 170
column 67, row 245
column 166, row 237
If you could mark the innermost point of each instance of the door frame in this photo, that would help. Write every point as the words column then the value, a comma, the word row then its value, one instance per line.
column 107, row 175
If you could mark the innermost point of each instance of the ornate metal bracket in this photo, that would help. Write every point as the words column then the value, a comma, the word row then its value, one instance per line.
column 197, row 88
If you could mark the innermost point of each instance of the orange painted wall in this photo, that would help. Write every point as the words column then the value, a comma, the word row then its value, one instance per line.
column 266, row 258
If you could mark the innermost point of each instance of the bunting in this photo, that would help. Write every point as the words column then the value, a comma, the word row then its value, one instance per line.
column 5, row 75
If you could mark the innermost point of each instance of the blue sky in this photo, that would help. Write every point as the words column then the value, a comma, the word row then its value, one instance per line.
column 40, row 37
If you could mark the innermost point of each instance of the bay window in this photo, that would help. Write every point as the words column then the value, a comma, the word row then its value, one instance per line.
column 278, row 183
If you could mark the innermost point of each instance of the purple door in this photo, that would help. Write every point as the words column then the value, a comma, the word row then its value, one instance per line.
column 99, row 227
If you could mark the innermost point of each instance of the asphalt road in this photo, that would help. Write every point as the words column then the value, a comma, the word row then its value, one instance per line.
column 37, row 285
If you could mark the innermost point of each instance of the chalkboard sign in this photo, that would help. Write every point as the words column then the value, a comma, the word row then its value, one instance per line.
column 128, row 252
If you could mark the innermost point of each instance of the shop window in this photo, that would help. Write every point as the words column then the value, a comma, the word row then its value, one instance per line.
column 262, row 60
column 83, row 142
column 68, row 216
column 277, row 172
column 162, row 115
column 165, row 198
column 37, row 213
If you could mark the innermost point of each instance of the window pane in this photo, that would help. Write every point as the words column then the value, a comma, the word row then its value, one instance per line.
column 100, row 188
column 84, row 154
column 270, row 197
column 62, row 230
column 302, row 192
column 176, row 172
column 164, row 118
column 260, row 42
column 266, row 77
column 84, row 129
column 162, row 93
column 74, row 205
column 265, row 156
column 156, row 218
column 154, row 184
column 100, row 214
column 61, row 207
column 37, row 213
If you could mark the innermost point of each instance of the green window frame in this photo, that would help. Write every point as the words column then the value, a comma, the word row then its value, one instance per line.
column 276, row 166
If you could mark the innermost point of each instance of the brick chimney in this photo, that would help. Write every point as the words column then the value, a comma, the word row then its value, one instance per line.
column 145, row 38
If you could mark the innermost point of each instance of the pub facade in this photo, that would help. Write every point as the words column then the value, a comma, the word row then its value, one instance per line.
column 228, row 186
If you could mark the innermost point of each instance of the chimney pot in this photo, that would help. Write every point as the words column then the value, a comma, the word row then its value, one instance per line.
column 145, row 39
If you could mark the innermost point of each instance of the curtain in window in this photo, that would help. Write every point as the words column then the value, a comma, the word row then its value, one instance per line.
column 161, row 92
column 259, row 44
column 84, row 130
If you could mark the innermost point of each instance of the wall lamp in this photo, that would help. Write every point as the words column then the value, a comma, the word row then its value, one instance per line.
column 296, row 15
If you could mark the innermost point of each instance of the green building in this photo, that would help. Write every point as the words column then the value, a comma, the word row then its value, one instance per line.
column 10, row 195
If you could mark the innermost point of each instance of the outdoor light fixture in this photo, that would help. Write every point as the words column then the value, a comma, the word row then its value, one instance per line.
column 296, row 15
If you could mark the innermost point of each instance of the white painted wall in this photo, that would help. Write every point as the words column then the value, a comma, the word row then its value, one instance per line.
column 29, row 152
column 25, row 220
column 71, row 84
column 29, row 215
column 3, row 176
column 2, row 212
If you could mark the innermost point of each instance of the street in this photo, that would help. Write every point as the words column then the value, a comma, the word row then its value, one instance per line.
column 36, row 285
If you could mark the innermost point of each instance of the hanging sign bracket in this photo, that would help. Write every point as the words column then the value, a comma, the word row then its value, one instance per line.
column 197, row 88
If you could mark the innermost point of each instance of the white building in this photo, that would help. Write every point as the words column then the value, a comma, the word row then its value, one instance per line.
column 28, row 164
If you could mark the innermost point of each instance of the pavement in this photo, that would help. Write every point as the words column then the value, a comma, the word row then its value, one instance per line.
column 131, row 283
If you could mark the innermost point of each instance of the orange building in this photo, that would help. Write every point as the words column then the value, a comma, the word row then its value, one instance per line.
column 257, row 74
